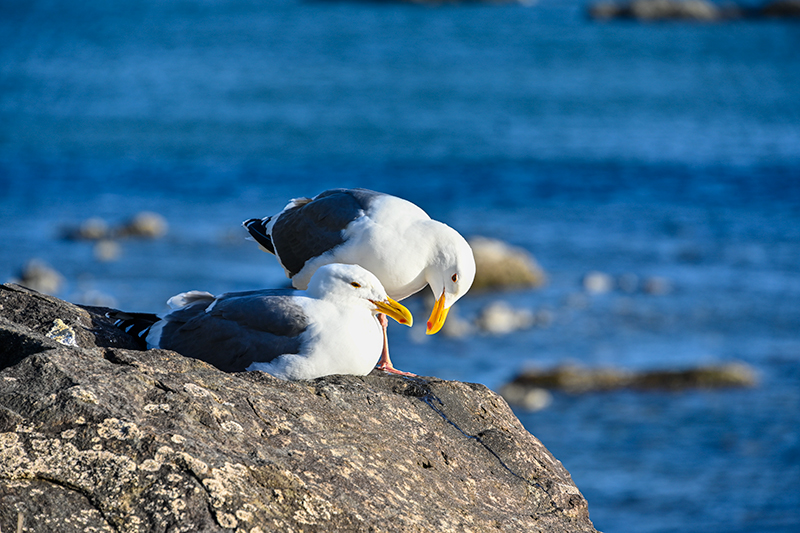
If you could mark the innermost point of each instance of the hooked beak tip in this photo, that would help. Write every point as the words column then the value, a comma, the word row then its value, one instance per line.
column 438, row 316
column 395, row 310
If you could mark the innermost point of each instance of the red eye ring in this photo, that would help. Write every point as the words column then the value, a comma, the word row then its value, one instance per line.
column 454, row 277
column 355, row 284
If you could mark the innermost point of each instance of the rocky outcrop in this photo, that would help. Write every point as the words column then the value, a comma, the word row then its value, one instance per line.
column 96, row 436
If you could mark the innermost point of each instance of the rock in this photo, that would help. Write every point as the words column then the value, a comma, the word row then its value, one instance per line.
column 38, row 313
column 704, row 377
column 575, row 379
column 499, row 265
column 528, row 398
column 436, row 3
column 91, row 229
column 146, row 225
column 781, row 9
column 41, row 277
column 674, row 9
column 107, row 250
column 598, row 283
column 657, row 286
column 606, row 11
column 96, row 436
column 499, row 318
column 567, row 378
column 650, row 10
column 601, row 283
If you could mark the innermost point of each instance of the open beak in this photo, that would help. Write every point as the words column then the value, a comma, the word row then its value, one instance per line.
column 393, row 309
column 438, row 316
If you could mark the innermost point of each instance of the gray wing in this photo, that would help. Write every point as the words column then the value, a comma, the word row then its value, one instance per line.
column 240, row 329
column 313, row 228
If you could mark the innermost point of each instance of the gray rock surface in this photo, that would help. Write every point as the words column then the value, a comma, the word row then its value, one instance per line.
column 96, row 436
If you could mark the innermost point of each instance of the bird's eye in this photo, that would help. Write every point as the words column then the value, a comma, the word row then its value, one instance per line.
column 455, row 278
column 355, row 284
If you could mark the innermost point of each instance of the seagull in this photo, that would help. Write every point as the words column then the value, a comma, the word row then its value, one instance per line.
column 330, row 328
column 391, row 237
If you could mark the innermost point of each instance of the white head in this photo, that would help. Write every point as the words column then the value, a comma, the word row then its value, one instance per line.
column 341, row 282
column 450, row 275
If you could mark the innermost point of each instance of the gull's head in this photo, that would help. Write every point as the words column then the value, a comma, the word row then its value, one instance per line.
column 450, row 274
column 357, row 285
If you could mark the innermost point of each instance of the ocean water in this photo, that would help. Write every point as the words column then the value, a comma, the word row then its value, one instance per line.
column 667, row 151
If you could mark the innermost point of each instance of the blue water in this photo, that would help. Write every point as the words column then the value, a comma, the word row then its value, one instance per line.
column 668, row 150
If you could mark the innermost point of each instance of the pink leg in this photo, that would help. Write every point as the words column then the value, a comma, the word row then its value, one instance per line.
column 384, row 363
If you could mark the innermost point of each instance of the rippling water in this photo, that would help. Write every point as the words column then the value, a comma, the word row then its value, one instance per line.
column 662, row 150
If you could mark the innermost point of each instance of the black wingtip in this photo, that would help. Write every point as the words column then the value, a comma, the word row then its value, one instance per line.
column 137, row 325
column 257, row 227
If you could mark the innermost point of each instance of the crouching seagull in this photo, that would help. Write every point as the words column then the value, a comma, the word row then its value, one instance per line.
column 330, row 328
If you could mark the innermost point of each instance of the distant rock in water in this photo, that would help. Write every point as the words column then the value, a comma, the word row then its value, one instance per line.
column 598, row 282
column 91, row 229
column 657, row 10
column 96, row 436
column 692, row 10
column 500, row 265
column 781, row 9
column 144, row 225
column 657, row 286
column 446, row 2
column 575, row 379
column 499, row 318
column 107, row 250
column 41, row 277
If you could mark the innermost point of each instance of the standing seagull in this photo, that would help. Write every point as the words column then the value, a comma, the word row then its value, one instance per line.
column 331, row 328
column 391, row 237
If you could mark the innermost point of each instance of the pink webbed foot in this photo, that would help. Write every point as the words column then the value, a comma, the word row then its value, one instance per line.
column 388, row 368
column 384, row 363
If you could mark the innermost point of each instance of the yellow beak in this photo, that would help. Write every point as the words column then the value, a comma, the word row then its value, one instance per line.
column 395, row 310
column 438, row 316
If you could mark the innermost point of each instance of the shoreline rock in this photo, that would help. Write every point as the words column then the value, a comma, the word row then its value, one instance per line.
column 94, row 434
